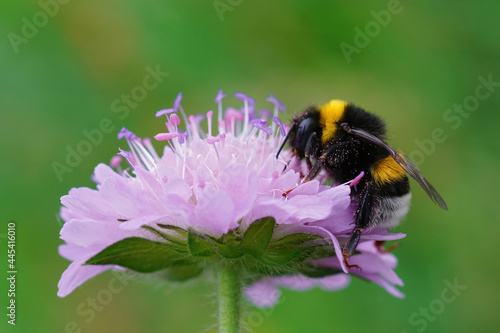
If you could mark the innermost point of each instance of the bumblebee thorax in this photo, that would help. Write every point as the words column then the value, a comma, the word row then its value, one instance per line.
column 330, row 115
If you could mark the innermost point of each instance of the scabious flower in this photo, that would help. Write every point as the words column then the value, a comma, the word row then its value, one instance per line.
column 218, row 195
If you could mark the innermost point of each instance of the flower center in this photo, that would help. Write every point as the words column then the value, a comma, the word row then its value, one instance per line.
column 242, row 137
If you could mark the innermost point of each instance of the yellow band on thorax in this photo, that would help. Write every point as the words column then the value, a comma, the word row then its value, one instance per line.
column 330, row 115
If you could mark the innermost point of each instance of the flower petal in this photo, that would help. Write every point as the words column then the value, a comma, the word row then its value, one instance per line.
column 263, row 293
column 76, row 274
column 215, row 212
column 88, row 233
column 102, row 171
column 88, row 203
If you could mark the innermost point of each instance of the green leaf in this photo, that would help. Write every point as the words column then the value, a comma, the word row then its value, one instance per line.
column 257, row 237
column 181, row 273
column 200, row 245
column 137, row 254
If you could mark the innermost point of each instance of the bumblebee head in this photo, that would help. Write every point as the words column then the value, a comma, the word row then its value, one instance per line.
column 304, row 126
column 324, row 124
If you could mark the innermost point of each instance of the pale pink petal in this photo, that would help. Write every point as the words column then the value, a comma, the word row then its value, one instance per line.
column 68, row 214
column 372, row 263
column 149, row 181
column 295, row 282
column 127, row 199
column 90, row 232
column 103, row 171
column 384, row 284
column 76, row 274
column 309, row 188
column 334, row 282
column 263, row 293
column 71, row 251
column 88, row 203
column 287, row 181
column 239, row 183
column 215, row 212
column 140, row 221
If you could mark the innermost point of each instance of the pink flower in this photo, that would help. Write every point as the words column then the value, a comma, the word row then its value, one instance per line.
column 216, row 186
column 377, row 266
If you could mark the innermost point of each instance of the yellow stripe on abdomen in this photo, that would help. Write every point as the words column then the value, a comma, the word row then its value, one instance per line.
column 330, row 115
column 387, row 170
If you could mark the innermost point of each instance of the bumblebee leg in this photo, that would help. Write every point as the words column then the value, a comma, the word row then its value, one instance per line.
column 315, row 169
column 294, row 125
column 390, row 248
column 290, row 160
column 312, row 146
column 362, row 219
column 313, row 172
column 352, row 242
column 320, row 162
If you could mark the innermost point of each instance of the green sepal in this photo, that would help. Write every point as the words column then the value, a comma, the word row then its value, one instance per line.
column 181, row 237
column 257, row 237
column 176, row 243
column 286, row 256
column 316, row 271
column 183, row 233
column 182, row 272
column 138, row 254
column 200, row 245
column 228, row 246
column 291, row 248
column 294, row 240
column 324, row 251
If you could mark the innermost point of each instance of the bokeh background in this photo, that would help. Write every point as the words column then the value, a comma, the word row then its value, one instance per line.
column 69, row 70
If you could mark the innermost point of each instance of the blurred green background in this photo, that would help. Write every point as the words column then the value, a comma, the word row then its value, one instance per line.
column 61, row 74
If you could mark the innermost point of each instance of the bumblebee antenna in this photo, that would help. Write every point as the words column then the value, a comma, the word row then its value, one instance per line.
column 286, row 139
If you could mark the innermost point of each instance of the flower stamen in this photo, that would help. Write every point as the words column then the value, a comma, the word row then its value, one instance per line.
column 218, row 100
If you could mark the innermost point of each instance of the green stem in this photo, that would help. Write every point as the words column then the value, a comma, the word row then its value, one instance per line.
column 229, row 299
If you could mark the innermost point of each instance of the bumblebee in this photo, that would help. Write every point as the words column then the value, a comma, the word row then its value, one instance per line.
column 345, row 140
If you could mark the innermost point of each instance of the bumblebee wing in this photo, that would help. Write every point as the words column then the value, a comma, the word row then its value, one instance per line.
column 404, row 162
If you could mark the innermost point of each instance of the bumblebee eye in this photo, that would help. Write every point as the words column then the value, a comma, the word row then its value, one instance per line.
column 306, row 128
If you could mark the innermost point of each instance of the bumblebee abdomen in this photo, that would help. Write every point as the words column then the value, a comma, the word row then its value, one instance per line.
column 386, row 171
column 393, row 202
column 391, row 210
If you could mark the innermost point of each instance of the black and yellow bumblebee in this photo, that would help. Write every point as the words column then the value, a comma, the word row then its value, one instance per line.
column 345, row 140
